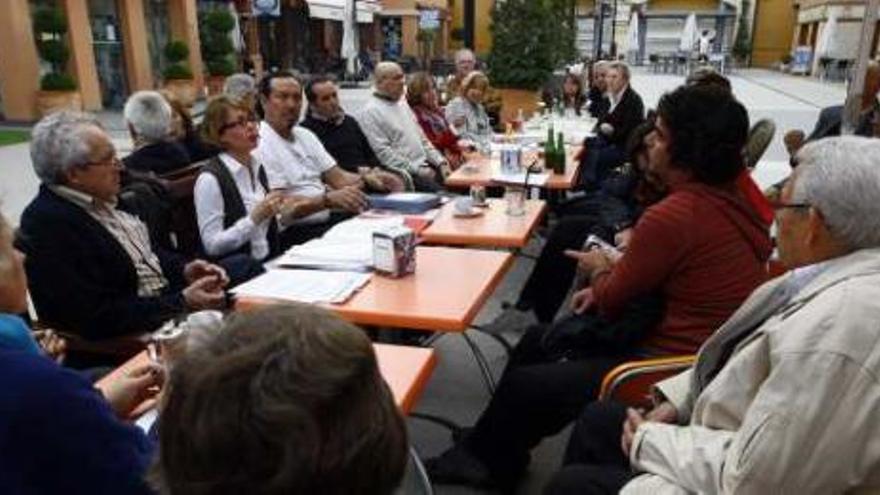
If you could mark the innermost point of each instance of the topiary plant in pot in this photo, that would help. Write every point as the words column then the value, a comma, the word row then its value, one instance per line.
column 58, row 89
column 217, row 49
column 178, row 76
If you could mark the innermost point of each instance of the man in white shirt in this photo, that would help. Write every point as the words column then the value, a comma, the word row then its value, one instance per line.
column 395, row 134
column 319, row 193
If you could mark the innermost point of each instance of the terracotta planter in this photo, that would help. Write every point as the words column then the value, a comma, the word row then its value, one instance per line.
column 53, row 101
column 514, row 99
column 183, row 89
column 215, row 84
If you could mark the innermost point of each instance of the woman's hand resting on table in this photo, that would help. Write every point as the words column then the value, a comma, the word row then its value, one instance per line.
column 135, row 387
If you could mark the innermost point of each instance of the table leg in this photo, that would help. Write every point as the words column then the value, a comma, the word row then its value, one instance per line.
column 421, row 472
column 482, row 363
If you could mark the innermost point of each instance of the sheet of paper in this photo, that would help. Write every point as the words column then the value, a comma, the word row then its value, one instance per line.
column 308, row 286
column 536, row 180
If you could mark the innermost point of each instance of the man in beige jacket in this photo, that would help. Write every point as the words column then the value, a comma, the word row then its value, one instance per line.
column 785, row 396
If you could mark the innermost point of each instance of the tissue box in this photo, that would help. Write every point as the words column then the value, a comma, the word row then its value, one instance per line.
column 511, row 158
column 394, row 251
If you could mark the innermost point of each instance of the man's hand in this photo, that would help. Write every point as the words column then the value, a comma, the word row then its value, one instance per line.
column 138, row 385
column 663, row 413
column 52, row 344
column 633, row 420
column 622, row 238
column 380, row 180
column 197, row 269
column 349, row 198
column 204, row 293
column 592, row 261
column 582, row 300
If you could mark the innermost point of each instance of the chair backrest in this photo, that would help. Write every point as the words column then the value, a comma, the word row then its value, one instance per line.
column 760, row 136
column 184, row 226
column 630, row 383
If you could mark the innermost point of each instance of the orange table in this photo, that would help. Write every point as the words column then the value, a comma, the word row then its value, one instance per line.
column 486, row 167
column 493, row 228
column 445, row 294
column 405, row 369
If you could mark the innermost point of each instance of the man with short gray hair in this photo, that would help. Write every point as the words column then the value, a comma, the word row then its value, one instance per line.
column 242, row 87
column 92, row 268
column 148, row 117
column 783, row 396
column 465, row 63
column 396, row 136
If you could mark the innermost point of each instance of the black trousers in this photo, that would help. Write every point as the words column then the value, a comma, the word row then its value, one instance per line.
column 594, row 462
column 536, row 397
column 553, row 274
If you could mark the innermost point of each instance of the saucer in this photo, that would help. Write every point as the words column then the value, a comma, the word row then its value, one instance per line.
column 471, row 214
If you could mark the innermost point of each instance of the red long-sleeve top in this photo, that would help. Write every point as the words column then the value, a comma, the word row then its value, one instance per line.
column 704, row 249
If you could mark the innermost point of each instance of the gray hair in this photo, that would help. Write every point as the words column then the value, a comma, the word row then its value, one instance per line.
column 59, row 143
column 240, row 85
column 460, row 54
column 149, row 114
column 839, row 177
column 384, row 69
column 621, row 66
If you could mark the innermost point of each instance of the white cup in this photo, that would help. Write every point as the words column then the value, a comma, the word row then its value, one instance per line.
column 463, row 205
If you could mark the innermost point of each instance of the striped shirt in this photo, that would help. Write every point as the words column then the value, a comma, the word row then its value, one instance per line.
column 130, row 232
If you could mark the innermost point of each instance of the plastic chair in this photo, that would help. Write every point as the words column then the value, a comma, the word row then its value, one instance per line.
column 630, row 383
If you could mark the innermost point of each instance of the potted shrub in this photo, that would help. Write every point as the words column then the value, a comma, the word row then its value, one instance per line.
column 178, row 76
column 217, row 49
column 530, row 39
column 58, row 90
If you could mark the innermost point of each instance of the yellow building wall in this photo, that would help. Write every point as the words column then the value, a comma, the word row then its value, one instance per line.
column 482, row 21
column 774, row 24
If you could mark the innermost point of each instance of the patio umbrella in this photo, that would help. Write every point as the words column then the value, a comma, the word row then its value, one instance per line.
column 823, row 44
column 689, row 34
column 349, row 49
column 632, row 33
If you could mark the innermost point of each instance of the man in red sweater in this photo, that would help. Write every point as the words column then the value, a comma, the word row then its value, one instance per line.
column 702, row 249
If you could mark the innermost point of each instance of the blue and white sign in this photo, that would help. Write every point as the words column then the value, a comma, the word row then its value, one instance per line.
column 267, row 8
column 429, row 19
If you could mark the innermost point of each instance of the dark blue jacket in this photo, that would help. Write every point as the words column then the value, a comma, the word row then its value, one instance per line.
column 59, row 435
column 81, row 279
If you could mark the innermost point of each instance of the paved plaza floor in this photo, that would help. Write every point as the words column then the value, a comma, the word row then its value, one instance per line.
column 456, row 390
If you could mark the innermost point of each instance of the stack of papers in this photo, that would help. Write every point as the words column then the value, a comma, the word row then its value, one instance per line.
column 306, row 286
column 348, row 246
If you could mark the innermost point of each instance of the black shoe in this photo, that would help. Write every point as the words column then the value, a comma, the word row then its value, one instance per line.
column 457, row 466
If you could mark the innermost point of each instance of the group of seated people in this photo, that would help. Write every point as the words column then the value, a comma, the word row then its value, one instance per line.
column 290, row 400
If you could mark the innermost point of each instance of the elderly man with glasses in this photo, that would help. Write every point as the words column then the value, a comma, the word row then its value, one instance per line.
column 92, row 267
column 783, row 396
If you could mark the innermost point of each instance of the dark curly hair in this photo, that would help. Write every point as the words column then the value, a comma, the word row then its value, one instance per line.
column 287, row 399
column 708, row 128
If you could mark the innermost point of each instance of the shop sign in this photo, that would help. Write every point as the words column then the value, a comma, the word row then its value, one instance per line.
column 429, row 19
column 267, row 8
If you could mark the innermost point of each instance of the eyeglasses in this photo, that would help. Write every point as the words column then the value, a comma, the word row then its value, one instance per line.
column 778, row 205
column 112, row 161
column 244, row 122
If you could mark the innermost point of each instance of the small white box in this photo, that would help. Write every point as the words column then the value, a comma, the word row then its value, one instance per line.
column 511, row 158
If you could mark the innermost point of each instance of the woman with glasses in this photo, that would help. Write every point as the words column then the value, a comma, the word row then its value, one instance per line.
column 234, row 207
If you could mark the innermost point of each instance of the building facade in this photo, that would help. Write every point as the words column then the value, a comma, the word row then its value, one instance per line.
column 115, row 47
column 843, row 18
column 773, row 23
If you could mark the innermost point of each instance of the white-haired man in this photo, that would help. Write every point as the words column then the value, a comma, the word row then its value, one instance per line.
column 148, row 117
column 92, row 268
column 783, row 396
column 395, row 134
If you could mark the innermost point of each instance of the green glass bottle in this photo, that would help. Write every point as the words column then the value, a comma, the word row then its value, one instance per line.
column 560, row 158
column 549, row 149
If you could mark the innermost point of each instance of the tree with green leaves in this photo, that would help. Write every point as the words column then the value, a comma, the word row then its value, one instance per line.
column 742, row 45
column 217, row 48
column 177, row 52
column 50, row 26
column 530, row 38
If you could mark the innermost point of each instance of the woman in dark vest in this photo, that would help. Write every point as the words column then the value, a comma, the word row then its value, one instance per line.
column 234, row 207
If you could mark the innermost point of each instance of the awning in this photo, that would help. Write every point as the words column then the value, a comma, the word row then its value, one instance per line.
column 331, row 10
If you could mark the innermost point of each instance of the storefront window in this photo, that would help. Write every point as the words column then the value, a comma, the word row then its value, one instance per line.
column 158, row 35
column 107, row 43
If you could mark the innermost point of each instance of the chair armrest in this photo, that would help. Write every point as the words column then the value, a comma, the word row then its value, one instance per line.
column 630, row 383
